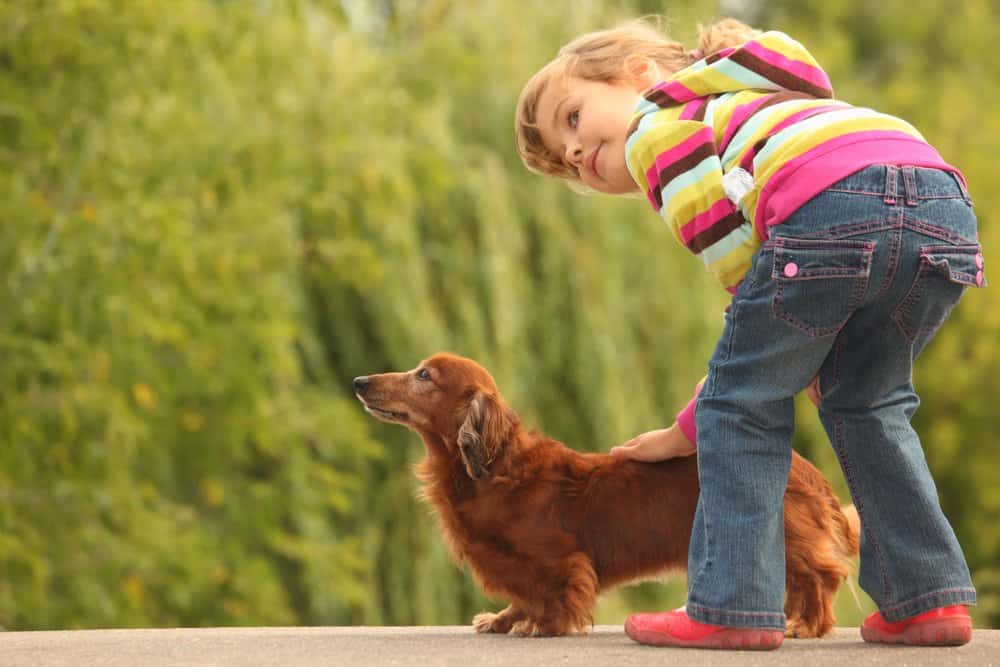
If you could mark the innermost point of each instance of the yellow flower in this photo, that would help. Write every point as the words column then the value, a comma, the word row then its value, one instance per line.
column 88, row 211
column 144, row 395
column 39, row 201
column 192, row 421
column 212, row 491
column 135, row 590
column 208, row 198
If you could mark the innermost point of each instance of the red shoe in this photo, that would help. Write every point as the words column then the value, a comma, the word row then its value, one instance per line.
column 675, row 628
column 944, row 626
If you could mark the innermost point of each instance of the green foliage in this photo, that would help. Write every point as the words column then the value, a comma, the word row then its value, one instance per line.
column 214, row 214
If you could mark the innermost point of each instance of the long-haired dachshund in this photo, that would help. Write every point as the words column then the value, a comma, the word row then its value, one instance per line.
column 549, row 528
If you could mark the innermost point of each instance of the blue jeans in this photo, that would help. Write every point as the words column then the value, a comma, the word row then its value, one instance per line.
column 851, row 287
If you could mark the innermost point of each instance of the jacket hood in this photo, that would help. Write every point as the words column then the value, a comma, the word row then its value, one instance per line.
column 771, row 62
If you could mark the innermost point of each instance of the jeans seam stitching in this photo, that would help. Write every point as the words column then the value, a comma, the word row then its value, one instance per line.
column 748, row 614
column 902, row 311
column 867, row 227
column 935, row 231
column 895, row 245
column 859, row 504
column 912, row 601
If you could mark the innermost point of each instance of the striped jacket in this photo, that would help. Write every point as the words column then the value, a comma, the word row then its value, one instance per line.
column 765, row 107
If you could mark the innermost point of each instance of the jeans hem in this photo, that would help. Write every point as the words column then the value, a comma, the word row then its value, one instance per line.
column 736, row 619
column 918, row 605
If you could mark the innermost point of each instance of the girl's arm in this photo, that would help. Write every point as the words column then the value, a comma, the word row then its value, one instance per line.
column 659, row 445
column 675, row 162
column 685, row 419
column 665, row 443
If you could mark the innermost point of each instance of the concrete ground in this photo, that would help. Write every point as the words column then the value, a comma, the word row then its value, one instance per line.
column 294, row 647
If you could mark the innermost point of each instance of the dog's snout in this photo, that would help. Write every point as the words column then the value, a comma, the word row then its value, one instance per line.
column 360, row 384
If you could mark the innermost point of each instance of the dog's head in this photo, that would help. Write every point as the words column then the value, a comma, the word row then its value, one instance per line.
column 449, row 400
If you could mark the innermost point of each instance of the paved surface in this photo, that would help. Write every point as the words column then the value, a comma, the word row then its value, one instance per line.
column 294, row 647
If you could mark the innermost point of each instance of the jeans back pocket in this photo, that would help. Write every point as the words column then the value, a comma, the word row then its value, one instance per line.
column 820, row 282
column 945, row 273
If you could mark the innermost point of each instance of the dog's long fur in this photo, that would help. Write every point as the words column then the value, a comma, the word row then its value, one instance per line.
column 549, row 528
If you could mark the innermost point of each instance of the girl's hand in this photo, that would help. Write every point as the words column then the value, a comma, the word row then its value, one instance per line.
column 659, row 445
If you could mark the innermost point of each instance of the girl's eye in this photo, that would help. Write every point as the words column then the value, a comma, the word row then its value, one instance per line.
column 574, row 118
column 423, row 374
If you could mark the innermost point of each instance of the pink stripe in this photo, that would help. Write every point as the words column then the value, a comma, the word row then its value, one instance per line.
column 803, row 178
column 725, row 52
column 747, row 160
column 741, row 113
column 678, row 152
column 653, row 183
column 685, row 420
column 813, row 75
column 681, row 150
column 705, row 220
column 691, row 108
column 651, row 196
column 677, row 90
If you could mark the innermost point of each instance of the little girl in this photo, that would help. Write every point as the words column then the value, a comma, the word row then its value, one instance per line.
column 845, row 240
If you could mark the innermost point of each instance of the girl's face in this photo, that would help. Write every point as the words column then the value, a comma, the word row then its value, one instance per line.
column 586, row 122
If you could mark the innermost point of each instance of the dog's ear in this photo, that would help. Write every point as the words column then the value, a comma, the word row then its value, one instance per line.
column 487, row 425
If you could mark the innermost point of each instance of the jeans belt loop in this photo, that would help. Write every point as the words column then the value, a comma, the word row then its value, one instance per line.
column 961, row 186
column 890, row 184
column 910, row 185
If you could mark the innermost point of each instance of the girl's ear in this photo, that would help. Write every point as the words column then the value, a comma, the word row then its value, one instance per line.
column 641, row 72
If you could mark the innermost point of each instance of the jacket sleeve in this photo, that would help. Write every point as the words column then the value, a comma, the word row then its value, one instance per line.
column 676, row 164
column 685, row 420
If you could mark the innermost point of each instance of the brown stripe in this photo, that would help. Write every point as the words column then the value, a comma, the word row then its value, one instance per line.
column 699, row 115
column 776, row 98
column 716, row 232
column 783, row 78
column 660, row 98
column 680, row 166
column 686, row 163
column 759, row 146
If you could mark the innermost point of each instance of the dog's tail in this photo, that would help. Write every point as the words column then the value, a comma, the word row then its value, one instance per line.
column 849, row 537
column 848, row 540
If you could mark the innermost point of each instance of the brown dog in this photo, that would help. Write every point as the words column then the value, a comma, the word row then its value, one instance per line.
column 549, row 528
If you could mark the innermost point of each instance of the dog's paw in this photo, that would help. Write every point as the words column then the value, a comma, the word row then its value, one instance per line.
column 530, row 628
column 525, row 628
column 800, row 630
column 489, row 622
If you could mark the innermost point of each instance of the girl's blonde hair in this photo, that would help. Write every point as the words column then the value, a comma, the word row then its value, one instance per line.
column 601, row 56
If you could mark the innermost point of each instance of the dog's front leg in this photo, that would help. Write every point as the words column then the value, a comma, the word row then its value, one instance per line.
column 500, row 622
column 569, row 594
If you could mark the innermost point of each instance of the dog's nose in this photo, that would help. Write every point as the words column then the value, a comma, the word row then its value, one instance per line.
column 360, row 383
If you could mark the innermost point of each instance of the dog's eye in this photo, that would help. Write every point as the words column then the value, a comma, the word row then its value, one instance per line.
column 423, row 374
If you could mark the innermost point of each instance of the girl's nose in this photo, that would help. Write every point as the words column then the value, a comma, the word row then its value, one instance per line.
column 574, row 154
